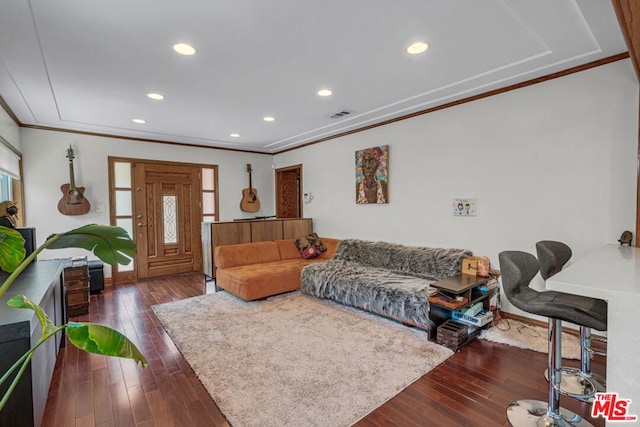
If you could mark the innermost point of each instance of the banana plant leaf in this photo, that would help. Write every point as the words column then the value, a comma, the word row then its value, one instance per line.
column 12, row 250
column 111, row 244
column 103, row 340
column 90, row 337
column 20, row 301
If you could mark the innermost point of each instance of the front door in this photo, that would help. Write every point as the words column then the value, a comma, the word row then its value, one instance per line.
column 167, row 218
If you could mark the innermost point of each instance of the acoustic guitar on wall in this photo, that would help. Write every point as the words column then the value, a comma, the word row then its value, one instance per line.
column 73, row 201
column 250, row 202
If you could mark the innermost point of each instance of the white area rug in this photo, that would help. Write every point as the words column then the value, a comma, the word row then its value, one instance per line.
column 530, row 337
column 296, row 360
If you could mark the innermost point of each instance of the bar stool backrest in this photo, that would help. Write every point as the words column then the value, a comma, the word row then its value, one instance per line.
column 552, row 256
column 517, row 270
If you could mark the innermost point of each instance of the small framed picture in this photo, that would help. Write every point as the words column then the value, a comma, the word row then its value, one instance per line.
column 464, row 207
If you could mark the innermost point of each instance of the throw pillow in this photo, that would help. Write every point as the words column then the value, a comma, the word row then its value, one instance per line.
column 310, row 246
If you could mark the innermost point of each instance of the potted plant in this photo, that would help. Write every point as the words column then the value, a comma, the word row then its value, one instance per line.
column 113, row 246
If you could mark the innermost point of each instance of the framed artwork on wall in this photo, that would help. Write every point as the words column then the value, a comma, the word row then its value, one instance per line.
column 372, row 175
column 464, row 207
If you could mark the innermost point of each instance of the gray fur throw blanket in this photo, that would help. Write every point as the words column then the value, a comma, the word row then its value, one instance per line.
column 385, row 278
column 428, row 263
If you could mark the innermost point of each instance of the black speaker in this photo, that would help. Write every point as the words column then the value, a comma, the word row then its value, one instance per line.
column 29, row 236
column 96, row 276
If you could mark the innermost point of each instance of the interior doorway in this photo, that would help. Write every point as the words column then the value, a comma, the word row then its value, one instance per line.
column 289, row 192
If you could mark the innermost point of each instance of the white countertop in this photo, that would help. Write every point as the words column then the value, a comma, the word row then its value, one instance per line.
column 612, row 273
column 613, row 269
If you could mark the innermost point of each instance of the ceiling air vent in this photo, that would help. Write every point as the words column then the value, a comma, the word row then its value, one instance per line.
column 340, row 114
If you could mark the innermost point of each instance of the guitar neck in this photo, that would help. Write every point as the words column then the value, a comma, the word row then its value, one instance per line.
column 249, row 170
column 72, row 181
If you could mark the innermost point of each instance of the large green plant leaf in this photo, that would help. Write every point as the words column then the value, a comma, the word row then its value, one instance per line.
column 12, row 250
column 20, row 301
column 111, row 244
column 101, row 339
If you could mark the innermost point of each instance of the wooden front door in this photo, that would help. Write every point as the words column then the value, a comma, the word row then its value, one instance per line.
column 167, row 218
column 288, row 188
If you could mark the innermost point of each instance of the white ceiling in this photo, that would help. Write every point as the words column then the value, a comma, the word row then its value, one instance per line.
column 87, row 65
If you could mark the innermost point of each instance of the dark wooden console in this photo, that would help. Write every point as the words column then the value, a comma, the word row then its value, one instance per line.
column 20, row 330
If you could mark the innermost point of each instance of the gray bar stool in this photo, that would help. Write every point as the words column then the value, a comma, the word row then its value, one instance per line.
column 518, row 269
column 579, row 384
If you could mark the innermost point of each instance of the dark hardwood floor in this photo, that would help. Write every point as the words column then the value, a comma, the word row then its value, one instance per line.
column 472, row 388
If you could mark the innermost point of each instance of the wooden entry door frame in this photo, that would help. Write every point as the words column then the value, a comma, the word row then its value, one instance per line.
column 289, row 201
column 137, row 204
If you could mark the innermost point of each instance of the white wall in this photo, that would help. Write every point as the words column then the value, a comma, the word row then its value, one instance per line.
column 46, row 169
column 555, row 160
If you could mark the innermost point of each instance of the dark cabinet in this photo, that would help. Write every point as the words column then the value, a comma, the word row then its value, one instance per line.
column 41, row 282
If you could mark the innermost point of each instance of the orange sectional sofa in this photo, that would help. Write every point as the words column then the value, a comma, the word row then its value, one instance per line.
column 258, row 270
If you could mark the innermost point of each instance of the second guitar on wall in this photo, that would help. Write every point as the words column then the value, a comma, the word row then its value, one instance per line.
column 250, row 202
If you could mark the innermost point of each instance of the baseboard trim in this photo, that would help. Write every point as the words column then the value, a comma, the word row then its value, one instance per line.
column 523, row 319
column 542, row 324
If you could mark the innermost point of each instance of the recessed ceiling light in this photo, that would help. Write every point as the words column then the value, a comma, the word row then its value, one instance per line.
column 269, row 119
column 234, row 135
column 417, row 48
column 184, row 49
column 139, row 121
column 156, row 96
column 325, row 92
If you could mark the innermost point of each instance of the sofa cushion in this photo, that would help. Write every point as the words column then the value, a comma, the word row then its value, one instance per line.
column 331, row 245
column 288, row 249
column 245, row 253
column 310, row 246
column 255, row 281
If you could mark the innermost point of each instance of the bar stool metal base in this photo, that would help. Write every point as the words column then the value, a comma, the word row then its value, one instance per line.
column 523, row 413
column 576, row 384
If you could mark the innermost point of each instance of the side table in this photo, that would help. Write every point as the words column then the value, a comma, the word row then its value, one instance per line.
column 453, row 295
column 76, row 280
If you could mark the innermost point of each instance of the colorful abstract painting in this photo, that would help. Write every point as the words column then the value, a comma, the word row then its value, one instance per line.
column 372, row 175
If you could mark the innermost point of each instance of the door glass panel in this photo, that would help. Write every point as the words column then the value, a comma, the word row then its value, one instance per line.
column 123, row 203
column 208, row 203
column 170, row 220
column 207, row 179
column 122, row 174
column 127, row 224
column 209, row 193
